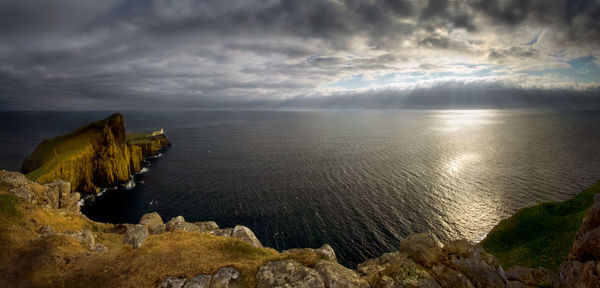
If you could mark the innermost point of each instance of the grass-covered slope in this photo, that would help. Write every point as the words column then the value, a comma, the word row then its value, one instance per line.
column 28, row 259
column 540, row 235
column 148, row 143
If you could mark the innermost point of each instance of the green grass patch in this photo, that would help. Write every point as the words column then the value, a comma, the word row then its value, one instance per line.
column 52, row 152
column 8, row 205
column 239, row 249
column 136, row 138
column 540, row 235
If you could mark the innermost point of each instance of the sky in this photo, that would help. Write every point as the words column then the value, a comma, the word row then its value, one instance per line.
column 270, row 54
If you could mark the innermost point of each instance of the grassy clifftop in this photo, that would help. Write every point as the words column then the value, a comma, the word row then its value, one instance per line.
column 540, row 235
column 95, row 155
column 30, row 258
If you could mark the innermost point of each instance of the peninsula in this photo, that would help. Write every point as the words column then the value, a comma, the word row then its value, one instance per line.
column 97, row 155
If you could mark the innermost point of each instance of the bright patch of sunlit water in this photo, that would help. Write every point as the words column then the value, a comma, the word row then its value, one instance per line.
column 358, row 180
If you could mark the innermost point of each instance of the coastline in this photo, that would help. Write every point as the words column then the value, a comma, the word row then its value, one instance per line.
column 33, row 219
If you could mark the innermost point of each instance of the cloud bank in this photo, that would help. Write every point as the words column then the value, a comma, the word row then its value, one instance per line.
column 263, row 54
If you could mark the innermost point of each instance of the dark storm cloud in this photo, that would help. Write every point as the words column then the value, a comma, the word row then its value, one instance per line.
column 580, row 19
column 172, row 53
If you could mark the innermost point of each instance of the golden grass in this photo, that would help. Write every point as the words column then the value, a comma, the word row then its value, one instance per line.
column 60, row 261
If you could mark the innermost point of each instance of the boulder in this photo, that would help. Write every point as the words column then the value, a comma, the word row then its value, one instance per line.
column 586, row 246
column 136, row 235
column 154, row 223
column 24, row 193
column 178, row 224
column 422, row 248
column 245, row 234
column 225, row 232
column 85, row 237
column 326, row 252
column 13, row 179
column 376, row 265
column 171, row 224
column 172, row 282
column 447, row 277
column 592, row 217
column 402, row 272
column 227, row 277
column 198, row 281
column 207, row 226
column 288, row 273
column 337, row 276
column 481, row 268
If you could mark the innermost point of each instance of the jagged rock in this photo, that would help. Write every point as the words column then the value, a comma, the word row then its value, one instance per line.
column 198, row 281
column 46, row 230
column 85, row 237
column 447, row 277
column 24, row 193
column 422, row 248
column 578, row 274
column 376, row 265
column 172, row 282
column 337, row 276
column 327, row 253
column 207, row 226
column 481, row 268
column 136, row 235
column 245, row 234
column 403, row 272
column 288, row 273
column 178, row 223
column 13, row 179
column 587, row 241
column 154, row 223
column 531, row 276
column 227, row 277
column 225, row 232
column 592, row 217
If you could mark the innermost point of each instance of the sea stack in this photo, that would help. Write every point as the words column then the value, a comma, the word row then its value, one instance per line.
column 93, row 156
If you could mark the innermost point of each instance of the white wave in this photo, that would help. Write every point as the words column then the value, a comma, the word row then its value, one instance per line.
column 130, row 184
column 144, row 170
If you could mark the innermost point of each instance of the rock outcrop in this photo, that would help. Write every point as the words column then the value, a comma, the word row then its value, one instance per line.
column 93, row 156
column 54, row 195
column 136, row 235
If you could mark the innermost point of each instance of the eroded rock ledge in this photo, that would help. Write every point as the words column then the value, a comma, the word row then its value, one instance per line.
column 419, row 261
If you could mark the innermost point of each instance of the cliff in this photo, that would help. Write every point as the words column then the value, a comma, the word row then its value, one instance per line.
column 93, row 156
column 45, row 245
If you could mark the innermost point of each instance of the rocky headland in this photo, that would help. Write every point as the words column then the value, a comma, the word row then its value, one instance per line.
column 46, row 242
column 97, row 155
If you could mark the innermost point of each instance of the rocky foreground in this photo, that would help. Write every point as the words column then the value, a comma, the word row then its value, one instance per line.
column 46, row 242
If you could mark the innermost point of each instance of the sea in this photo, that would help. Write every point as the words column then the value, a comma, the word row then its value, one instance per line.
column 359, row 180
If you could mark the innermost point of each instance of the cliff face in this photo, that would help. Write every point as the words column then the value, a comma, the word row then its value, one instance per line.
column 93, row 156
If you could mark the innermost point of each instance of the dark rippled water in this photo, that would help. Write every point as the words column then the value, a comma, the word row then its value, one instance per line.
column 358, row 180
